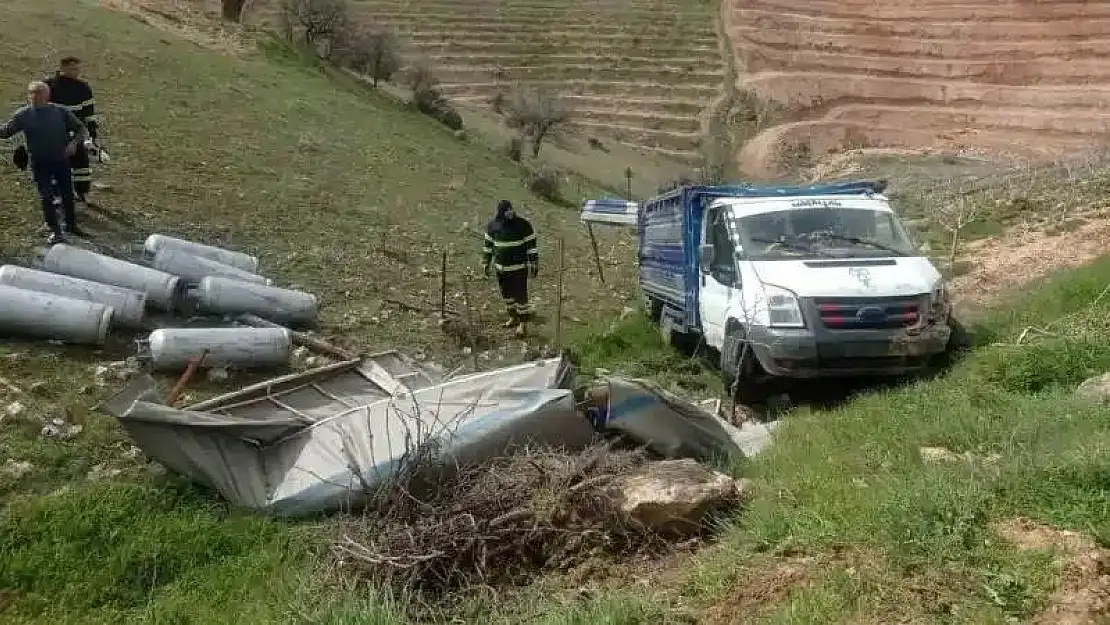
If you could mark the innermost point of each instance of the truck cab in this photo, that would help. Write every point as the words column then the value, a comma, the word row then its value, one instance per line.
column 792, row 282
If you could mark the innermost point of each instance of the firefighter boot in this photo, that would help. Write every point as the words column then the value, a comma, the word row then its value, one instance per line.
column 514, row 316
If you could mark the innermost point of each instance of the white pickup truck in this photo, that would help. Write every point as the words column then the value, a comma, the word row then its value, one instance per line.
column 789, row 282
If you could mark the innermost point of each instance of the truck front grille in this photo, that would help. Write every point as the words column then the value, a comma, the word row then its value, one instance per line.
column 868, row 314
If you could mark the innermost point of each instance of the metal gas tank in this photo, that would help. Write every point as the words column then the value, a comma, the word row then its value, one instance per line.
column 162, row 289
column 225, row 296
column 50, row 316
column 129, row 305
column 170, row 349
column 156, row 242
column 195, row 268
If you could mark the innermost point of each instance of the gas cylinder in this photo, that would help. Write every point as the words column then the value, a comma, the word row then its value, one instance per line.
column 170, row 349
column 155, row 242
column 50, row 316
column 193, row 268
column 129, row 305
column 225, row 296
column 162, row 289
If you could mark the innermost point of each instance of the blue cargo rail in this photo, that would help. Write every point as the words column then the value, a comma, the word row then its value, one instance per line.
column 669, row 233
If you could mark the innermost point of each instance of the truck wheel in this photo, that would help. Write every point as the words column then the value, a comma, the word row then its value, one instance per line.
column 959, row 340
column 739, row 369
column 730, row 356
column 653, row 308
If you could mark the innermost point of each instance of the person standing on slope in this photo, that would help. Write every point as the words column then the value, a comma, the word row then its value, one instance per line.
column 68, row 89
column 53, row 134
column 510, row 250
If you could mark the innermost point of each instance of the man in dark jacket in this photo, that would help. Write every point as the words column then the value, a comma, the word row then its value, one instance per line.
column 68, row 89
column 510, row 250
column 53, row 134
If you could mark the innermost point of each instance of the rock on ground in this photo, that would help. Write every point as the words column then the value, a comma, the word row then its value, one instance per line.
column 675, row 496
column 16, row 468
column 1096, row 389
column 1083, row 593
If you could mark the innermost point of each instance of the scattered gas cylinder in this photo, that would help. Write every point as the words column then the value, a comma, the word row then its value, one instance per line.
column 226, row 296
column 129, row 305
column 162, row 289
column 194, row 268
column 156, row 242
column 170, row 349
column 50, row 316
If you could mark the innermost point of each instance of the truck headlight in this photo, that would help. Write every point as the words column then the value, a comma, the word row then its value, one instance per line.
column 782, row 308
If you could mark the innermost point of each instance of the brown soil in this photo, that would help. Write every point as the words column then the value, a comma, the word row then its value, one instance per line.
column 607, row 50
column 1083, row 594
column 187, row 20
column 1016, row 78
column 760, row 589
column 1001, row 265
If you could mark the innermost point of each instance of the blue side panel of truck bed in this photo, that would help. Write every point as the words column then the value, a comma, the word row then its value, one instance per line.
column 669, row 232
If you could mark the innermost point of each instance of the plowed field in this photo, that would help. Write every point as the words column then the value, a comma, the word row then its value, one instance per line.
column 643, row 72
column 1020, row 77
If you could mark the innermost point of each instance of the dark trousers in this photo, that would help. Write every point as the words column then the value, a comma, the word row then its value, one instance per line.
column 46, row 174
column 514, row 290
column 82, row 171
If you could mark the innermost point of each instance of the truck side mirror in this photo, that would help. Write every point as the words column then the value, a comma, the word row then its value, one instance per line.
column 705, row 257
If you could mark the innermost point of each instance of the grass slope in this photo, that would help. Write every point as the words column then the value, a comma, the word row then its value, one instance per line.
column 340, row 191
column 899, row 538
column 642, row 74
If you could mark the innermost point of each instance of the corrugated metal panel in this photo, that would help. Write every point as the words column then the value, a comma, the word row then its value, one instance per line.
column 610, row 211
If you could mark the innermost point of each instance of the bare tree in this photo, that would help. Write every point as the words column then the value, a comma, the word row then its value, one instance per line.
column 384, row 58
column 420, row 76
column 374, row 52
column 954, row 217
column 319, row 21
column 232, row 10
column 536, row 114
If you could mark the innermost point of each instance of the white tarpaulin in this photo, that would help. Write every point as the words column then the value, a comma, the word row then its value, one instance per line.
column 324, row 440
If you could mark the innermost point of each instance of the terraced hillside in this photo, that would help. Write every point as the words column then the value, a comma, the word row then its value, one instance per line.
column 643, row 72
column 1023, row 77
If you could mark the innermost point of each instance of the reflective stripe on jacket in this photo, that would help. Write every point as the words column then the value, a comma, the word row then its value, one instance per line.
column 510, row 244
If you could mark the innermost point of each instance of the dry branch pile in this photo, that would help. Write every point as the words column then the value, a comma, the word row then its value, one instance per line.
column 501, row 523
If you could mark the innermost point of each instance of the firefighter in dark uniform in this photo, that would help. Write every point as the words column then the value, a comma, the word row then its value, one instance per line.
column 510, row 250
column 69, row 90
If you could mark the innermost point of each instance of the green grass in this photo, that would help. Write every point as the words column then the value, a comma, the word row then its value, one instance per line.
column 852, row 478
column 916, row 539
column 341, row 191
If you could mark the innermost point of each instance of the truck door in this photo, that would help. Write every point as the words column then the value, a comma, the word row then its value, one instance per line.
column 718, row 277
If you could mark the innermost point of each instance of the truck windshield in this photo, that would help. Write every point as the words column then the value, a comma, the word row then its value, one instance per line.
column 823, row 232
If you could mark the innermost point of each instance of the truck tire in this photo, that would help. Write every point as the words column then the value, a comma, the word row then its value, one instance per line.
column 653, row 308
column 959, row 341
column 739, row 369
column 682, row 342
column 731, row 352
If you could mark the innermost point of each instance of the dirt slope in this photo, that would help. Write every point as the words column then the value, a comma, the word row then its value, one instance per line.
column 1016, row 77
column 642, row 73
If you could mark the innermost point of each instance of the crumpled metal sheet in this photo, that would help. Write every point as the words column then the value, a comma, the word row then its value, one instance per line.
column 325, row 440
column 671, row 426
